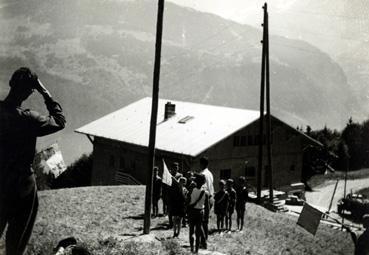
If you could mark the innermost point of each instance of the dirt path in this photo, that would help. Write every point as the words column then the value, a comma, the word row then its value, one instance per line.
column 321, row 196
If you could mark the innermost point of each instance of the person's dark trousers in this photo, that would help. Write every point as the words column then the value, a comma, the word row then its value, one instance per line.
column 195, row 217
column 19, row 213
column 155, row 207
column 170, row 218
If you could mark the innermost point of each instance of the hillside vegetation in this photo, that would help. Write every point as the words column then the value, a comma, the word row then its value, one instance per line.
column 105, row 219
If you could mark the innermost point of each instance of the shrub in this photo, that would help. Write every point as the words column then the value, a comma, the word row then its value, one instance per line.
column 78, row 174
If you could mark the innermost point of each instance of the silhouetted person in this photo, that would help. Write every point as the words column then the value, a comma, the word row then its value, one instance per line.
column 231, row 203
column 179, row 207
column 19, row 129
column 242, row 197
column 156, row 192
column 221, row 200
column 171, row 192
column 361, row 243
column 196, row 208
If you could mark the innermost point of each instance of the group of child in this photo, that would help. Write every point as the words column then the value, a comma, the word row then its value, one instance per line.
column 227, row 199
column 188, row 201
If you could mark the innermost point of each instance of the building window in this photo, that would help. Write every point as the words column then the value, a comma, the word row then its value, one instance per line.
column 111, row 161
column 256, row 139
column 250, row 140
column 243, row 141
column 236, row 141
column 121, row 163
column 250, row 171
column 225, row 174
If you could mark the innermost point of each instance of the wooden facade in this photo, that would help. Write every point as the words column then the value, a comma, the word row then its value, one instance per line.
column 234, row 156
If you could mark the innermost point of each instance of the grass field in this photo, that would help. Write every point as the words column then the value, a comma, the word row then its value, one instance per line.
column 107, row 219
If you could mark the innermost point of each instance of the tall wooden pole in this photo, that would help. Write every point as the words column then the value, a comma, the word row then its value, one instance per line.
column 261, row 118
column 268, row 118
column 347, row 165
column 154, row 116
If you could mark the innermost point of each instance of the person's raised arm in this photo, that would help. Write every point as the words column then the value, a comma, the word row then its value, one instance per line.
column 55, row 121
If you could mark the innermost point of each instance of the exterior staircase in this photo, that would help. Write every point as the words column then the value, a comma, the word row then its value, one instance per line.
column 277, row 205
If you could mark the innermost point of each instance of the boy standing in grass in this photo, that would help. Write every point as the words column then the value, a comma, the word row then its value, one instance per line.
column 196, row 207
column 231, row 204
column 221, row 205
column 242, row 196
column 179, row 208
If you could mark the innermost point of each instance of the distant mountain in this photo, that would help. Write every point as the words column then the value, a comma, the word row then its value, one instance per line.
column 339, row 28
column 97, row 57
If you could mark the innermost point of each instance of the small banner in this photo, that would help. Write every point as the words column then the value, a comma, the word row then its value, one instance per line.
column 52, row 160
column 167, row 177
column 309, row 218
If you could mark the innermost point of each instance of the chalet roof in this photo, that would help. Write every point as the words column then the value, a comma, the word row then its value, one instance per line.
column 193, row 129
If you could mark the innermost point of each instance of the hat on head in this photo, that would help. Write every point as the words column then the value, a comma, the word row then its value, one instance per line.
column 222, row 182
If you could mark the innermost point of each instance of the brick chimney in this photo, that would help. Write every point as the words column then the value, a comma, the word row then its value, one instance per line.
column 170, row 110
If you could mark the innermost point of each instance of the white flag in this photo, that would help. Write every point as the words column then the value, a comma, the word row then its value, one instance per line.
column 167, row 177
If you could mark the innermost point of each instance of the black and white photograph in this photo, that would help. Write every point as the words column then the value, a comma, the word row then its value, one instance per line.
column 175, row 127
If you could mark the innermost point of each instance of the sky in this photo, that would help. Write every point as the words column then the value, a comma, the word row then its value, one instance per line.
column 237, row 10
column 334, row 28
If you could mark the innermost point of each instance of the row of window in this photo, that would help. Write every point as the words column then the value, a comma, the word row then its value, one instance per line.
column 249, row 140
column 113, row 162
column 226, row 173
column 250, row 171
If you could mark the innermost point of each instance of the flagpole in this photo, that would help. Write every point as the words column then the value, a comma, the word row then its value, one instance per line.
column 261, row 118
column 154, row 116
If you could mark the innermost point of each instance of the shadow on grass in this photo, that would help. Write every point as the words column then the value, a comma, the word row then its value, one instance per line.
column 135, row 217
column 161, row 226
column 213, row 231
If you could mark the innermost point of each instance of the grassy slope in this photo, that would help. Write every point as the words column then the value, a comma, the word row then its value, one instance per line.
column 102, row 216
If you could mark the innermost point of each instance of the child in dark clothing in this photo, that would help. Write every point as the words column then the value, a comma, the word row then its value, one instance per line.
column 231, row 203
column 179, row 210
column 242, row 196
column 156, row 192
column 221, row 204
